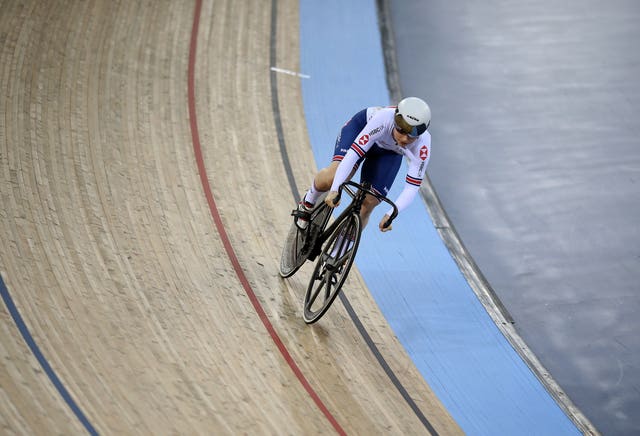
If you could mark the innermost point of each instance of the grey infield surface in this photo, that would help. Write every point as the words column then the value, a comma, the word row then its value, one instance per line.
column 536, row 126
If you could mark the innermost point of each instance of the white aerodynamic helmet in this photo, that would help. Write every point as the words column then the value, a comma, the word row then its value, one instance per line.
column 413, row 116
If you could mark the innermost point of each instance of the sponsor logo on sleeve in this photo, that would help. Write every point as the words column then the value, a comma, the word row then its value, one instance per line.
column 363, row 139
column 424, row 152
column 374, row 131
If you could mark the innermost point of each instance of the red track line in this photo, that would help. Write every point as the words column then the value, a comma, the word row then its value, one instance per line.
column 197, row 148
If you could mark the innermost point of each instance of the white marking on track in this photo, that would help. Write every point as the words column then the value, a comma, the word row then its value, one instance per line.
column 291, row 73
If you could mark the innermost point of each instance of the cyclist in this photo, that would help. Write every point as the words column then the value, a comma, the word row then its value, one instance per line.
column 377, row 138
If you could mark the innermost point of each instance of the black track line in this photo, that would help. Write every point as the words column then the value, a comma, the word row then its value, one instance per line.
column 296, row 195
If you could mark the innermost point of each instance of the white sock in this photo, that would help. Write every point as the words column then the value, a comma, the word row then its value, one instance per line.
column 312, row 194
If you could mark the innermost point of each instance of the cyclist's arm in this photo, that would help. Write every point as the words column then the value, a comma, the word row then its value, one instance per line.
column 363, row 142
column 344, row 169
column 415, row 174
column 407, row 195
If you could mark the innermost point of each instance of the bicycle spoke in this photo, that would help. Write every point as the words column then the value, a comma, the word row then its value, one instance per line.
column 314, row 294
column 330, row 280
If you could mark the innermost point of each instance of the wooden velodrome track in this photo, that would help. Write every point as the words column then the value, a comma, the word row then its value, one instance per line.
column 144, row 203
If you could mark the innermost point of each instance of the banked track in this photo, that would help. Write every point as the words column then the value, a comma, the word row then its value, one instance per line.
column 144, row 200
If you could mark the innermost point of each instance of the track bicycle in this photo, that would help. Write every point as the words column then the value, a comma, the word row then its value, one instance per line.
column 333, row 247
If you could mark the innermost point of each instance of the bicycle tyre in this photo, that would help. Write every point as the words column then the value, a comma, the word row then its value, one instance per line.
column 330, row 273
column 292, row 257
column 295, row 251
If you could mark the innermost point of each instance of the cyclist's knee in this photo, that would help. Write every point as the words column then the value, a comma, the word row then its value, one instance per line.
column 368, row 205
column 370, row 202
column 325, row 176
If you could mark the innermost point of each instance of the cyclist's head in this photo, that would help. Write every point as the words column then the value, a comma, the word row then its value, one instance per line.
column 412, row 116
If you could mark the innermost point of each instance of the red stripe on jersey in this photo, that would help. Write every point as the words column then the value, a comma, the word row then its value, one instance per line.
column 338, row 158
column 357, row 149
column 413, row 181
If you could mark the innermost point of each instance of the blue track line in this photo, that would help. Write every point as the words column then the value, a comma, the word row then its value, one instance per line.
column 469, row 364
column 26, row 335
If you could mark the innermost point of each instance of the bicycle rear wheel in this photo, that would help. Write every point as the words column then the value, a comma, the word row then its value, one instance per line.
column 332, row 268
column 292, row 253
column 299, row 241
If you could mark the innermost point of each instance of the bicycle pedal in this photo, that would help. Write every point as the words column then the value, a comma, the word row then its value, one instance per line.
column 300, row 213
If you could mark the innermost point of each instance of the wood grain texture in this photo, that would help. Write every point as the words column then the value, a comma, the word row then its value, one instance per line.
column 110, row 251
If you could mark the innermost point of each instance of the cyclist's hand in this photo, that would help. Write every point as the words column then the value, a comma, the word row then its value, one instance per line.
column 331, row 196
column 382, row 222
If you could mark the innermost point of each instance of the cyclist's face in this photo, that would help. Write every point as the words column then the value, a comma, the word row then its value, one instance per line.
column 402, row 138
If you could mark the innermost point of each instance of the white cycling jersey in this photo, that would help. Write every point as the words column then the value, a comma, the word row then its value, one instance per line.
column 379, row 131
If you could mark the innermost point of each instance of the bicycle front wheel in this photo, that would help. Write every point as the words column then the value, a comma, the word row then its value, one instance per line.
column 332, row 268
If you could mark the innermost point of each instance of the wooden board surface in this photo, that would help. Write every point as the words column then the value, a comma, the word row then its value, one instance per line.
column 111, row 253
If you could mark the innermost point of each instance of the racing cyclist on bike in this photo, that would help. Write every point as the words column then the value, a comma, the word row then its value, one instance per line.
column 377, row 138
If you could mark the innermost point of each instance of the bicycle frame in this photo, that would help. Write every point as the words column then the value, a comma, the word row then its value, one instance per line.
column 354, row 207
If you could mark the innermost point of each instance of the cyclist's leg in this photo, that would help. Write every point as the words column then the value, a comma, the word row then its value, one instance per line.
column 380, row 169
column 368, row 205
column 324, row 178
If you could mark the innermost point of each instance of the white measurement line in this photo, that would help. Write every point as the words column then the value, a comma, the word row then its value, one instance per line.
column 289, row 72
